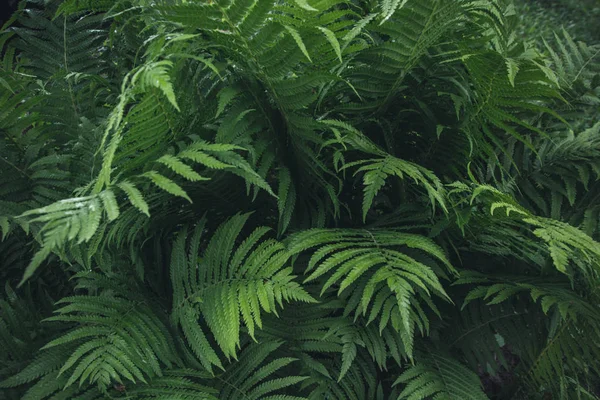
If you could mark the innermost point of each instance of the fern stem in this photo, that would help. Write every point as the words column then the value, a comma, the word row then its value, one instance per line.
column 231, row 385
column 546, row 348
column 583, row 67
column 477, row 327
column 15, row 167
column 67, row 67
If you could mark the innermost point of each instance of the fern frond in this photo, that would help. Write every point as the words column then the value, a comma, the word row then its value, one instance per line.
column 260, row 376
column 498, row 98
column 123, row 340
column 415, row 28
column 377, row 170
column 137, row 137
column 439, row 375
column 568, row 351
column 225, row 287
column 480, row 332
column 368, row 262
column 76, row 219
column 175, row 384
column 156, row 75
column 564, row 242
column 552, row 297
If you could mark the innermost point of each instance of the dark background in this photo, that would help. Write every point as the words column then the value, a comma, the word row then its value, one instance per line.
column 7, row 7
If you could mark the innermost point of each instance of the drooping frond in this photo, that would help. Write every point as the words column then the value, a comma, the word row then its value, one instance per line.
column 480, row 331
column 567, row 352
column 574, row 63
column 560, row 180
column 376, row 170
column 570, row 248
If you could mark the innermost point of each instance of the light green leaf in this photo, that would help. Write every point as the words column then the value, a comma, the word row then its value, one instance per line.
column 36, row 261
column 180, row 168
column 513, row 68
column 304, row 4
column 332, row 40
column 225, row 96
column 5, row 226
column 135, row 196
column 166, row 184
column 6, row 85
column 298, row 40
column 157, row 75
column 389, row 7
column 359, row 27
column 110, row 204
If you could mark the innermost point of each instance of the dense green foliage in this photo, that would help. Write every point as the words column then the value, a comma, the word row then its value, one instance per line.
column 298, row 199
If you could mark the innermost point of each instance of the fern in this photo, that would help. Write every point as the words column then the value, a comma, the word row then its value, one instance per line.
column 307, row 199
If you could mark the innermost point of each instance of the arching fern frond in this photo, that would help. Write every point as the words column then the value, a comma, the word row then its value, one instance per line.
column 551, row 296
column 386, row 283
column 570, row 248
column 479, row 332
column 75, row 219
column 573, row 62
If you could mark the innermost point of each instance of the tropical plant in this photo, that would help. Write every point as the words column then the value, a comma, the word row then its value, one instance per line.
column 307, row 199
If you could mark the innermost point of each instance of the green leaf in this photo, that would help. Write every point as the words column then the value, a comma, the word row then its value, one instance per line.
column 437, row 375
column 135, row 196
column 5, row 226
column 298, row 40
column 6, row 85
column 156, row 74
column 513, row 68
column 180, row 168
column 304, row 4
column 389, row 7
column 348, row 356
column 110, row 204
column 225, row 96
column 166, row 184
column 34, row 264
column 332, row 39
column 354, row 32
